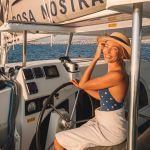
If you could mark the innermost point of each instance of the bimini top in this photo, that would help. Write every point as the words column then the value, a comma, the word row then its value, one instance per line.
column 86, row 17
column 58, row 11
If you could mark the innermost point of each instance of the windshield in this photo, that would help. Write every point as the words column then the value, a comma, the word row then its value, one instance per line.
column 82, row 47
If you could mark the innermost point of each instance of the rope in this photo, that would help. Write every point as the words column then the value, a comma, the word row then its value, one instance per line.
column 14, row 104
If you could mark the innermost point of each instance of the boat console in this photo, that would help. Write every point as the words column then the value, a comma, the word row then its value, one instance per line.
column 4, row 101
column 37, row 81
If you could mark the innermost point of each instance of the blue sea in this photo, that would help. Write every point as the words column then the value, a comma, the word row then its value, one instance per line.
column 45, row 51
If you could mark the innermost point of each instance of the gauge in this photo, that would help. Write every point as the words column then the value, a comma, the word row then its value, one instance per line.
column 28, row 74
column 38, row 72
column 32, row 88
column 51, row 72
column 31, row 107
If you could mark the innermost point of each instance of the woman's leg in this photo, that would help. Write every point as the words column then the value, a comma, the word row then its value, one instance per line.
column 57, row 146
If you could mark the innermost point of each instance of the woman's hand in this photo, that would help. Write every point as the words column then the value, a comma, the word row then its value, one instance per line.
column 75, row 83
column 98, row 52
column 100, row 47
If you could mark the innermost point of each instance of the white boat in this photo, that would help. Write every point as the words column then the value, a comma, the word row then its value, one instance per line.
column 30, row 90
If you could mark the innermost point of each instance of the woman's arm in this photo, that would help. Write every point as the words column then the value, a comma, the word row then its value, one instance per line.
column 87, row 74
column 109, row 80
column 92, row 86
column 94, row 94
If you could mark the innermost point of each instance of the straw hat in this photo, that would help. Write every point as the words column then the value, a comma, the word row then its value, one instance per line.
column 120, row 39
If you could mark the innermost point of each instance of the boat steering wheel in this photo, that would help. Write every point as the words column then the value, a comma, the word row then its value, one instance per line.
column 66, row 121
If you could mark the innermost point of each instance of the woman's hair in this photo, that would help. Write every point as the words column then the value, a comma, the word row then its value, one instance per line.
column 124, row 53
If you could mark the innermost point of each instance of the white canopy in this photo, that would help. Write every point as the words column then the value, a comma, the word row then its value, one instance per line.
column 47, row 11
column 86, row 17
column 127, row 6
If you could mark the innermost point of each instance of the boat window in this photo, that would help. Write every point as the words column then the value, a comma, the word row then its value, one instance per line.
column 82, row 47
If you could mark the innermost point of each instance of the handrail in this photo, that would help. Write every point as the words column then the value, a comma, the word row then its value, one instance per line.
column 135, row 67
column 24, row 55
column 69, row 44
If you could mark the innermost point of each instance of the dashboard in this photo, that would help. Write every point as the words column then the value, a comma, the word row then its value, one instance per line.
column 38, row 80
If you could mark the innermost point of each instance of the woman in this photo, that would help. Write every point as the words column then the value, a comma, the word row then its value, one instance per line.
column 108, row 127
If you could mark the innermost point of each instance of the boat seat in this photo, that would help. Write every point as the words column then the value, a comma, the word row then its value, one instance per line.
column 142, row 143
column 121, row 146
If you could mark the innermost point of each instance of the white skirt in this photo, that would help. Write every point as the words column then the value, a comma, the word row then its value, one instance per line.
column 107, row 128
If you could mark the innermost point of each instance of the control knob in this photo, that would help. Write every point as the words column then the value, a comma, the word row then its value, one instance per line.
column 31, row 107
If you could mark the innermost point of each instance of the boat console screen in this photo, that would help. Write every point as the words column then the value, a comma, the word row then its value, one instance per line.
column 51, row 72
column 38, row 73
column 32, row 88
column 28, row 74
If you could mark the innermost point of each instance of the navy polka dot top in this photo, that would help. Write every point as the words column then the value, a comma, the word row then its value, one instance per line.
column 107, row 102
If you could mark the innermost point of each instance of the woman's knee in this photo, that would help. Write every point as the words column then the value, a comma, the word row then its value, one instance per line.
column 57, row 146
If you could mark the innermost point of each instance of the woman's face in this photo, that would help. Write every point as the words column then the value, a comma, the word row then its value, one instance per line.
column 111, row 51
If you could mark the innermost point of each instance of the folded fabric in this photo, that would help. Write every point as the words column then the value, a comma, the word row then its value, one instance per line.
column 107, row 128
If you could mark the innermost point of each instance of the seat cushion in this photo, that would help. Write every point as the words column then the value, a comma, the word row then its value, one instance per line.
column 122, row 146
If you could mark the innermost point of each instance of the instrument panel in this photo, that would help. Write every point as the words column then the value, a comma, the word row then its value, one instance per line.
column 51, row 72
column 28, row 74
column 40, row 72
column 32, row 88
column 32, row 75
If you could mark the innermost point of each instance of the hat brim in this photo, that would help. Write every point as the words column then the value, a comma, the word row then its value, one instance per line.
column 125, row 46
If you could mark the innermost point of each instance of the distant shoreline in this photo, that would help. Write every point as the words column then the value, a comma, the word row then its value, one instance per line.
column 77, row 42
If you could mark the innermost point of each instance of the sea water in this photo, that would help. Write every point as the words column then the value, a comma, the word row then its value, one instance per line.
column 46, row 51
